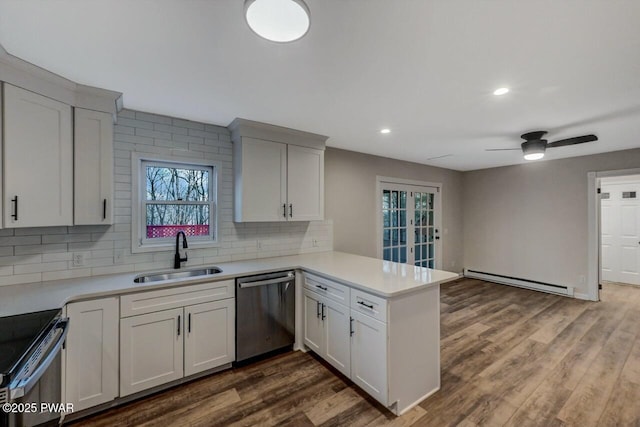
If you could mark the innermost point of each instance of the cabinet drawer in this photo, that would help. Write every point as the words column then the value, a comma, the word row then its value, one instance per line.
column 164, row 299
column 327, row 288
column 368, row 304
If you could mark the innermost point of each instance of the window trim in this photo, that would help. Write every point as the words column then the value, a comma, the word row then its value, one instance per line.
column 139, row 242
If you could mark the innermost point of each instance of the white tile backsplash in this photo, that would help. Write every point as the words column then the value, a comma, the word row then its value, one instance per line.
column 46, row 253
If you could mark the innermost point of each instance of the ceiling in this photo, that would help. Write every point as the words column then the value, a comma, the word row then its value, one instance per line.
column 425, row 69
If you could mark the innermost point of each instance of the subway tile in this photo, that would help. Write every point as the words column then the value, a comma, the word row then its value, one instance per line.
column 148, row 117
column 20, row 278
column 39, row 268
column 40, row 249
column 20, row 240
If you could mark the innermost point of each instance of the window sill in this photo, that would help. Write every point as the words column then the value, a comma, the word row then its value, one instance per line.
column 171, row 246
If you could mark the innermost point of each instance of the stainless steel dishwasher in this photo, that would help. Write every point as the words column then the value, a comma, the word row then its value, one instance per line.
column 265, row 314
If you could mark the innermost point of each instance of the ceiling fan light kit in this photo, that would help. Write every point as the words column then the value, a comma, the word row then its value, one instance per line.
column 279, row 21
column 534, row 146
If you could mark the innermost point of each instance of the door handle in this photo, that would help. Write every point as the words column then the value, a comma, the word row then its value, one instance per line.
column 104, row 209
column 351, row 326
column 290, row 210
column 178, row 325
column 323, row 315
column 14, row 215
column 189, row 323
column 284, row 210
column 318, row 309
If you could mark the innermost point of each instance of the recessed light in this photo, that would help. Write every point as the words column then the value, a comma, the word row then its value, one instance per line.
column 501, row 91
column 277, row 20
column 385, row 130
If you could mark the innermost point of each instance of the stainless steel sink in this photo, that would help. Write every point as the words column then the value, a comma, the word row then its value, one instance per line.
column 170, row 275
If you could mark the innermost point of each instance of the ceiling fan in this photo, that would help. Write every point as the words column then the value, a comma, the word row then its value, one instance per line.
column 534, row 146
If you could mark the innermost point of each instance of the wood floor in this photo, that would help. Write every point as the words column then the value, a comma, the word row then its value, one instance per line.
column 510, row 357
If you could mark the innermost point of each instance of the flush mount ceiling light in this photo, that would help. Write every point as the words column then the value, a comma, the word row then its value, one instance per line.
column 277, row 20
column 501, row 91
column 385, row 130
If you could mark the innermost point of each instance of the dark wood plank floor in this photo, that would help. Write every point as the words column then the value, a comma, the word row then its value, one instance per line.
column 510, row 357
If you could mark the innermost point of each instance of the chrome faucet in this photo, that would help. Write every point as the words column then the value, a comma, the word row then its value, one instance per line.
column 177, row 259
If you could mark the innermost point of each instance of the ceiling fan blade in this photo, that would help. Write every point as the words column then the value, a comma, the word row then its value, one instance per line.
column 572, row 141
column 502, row 149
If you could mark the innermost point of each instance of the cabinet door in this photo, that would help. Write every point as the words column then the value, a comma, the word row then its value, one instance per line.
column 38, row 160
column 151, row 350
column 305, row 183
column 369, row 356
column 92, row 353
column 313, row 323
column 261, row 180
column 337, row 336
column 93, row 170
column 210, row 335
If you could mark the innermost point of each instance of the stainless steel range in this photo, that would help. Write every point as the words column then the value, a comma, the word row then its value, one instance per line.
column 30, row 369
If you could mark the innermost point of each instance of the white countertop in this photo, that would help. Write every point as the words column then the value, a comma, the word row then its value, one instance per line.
column 384, row 278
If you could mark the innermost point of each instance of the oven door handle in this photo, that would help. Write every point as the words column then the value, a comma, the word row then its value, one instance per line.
column 23, row 386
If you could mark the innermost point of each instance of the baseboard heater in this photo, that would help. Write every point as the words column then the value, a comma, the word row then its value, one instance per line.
column 521, row 283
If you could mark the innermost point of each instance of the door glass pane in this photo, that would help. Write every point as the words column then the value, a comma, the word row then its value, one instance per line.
column 394, row 199
column 431, row 218
column 403, row 236
column 394, row 218
column 386, row 218
column 394, row 237
column 403, row 200
column 403, row 254
column 386, row 238
column 430, row 201
column 386, row 254
column 403, row 218
column 394, row 254
column 386, row 197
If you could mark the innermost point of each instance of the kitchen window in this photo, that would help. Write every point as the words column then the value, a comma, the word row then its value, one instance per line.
column 174, row 196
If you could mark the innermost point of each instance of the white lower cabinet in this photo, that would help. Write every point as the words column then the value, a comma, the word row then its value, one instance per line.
column 160, row 346
column 209, row 340
column 91, row 367
column 369, row 355
column 388, row 347
column 151, row 350
column 326, row 330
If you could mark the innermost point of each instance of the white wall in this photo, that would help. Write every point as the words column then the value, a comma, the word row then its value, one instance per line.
column 350, row 201
column 530, row 221
column 35, row 254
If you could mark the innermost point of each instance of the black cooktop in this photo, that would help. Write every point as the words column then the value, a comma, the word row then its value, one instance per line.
column 18, row 334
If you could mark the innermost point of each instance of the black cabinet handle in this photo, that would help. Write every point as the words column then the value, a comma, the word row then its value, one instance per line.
column 369, row 306
column 351, row 326
column 189, row 323
column 323, row 315
column 318, row 309
column 321, row 287
column 178, row 325
column 104, row 209
column 284, row 210
column 291, row 210
column 14, row 215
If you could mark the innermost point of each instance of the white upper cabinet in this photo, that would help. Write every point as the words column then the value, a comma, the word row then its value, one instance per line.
column 93, row 159
column 38, row 160
column 261, row 186
column 278, row 172
column 305, row 183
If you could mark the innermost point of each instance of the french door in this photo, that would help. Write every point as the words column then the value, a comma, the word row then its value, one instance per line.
column 410, row 224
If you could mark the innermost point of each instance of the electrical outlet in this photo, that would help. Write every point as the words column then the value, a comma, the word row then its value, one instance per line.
column 80, row 258
column 118, row 256
column 314, row 242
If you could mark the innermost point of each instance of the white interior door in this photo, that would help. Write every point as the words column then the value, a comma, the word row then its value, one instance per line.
column 410, row 224
column 620, row 239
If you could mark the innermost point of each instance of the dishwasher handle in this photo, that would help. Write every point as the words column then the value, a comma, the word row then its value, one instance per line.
column 285, row 279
